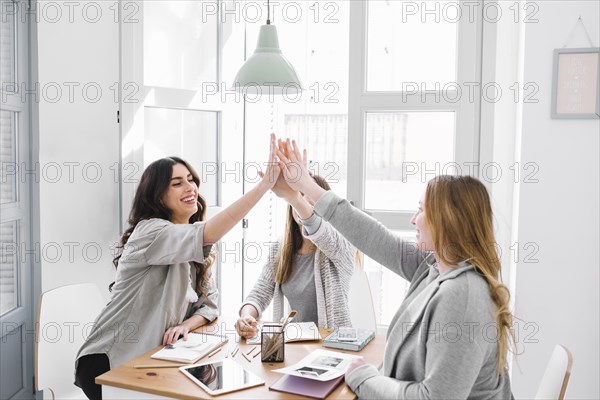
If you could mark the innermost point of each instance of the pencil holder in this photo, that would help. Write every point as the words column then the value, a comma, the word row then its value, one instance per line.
column 272, row 344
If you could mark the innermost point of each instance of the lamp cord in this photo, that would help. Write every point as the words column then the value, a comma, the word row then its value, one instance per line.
column 268, row 13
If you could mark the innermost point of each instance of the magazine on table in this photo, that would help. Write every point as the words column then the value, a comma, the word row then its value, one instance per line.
column 320, row 365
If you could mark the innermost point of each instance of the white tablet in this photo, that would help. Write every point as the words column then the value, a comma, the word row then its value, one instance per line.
column 219, row 377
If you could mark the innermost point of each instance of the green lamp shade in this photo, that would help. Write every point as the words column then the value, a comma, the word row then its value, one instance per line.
column 267, row 71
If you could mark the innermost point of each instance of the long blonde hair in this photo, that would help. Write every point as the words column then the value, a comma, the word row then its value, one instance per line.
column 292, row 240
column 459, row 215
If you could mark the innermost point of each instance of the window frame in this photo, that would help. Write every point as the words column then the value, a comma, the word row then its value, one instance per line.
column 361, row 102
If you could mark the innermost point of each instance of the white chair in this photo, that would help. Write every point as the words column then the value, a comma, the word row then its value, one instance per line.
column 65, row 317
column 556, row 378
column 362, row 311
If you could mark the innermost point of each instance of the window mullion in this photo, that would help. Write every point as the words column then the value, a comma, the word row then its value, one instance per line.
column 430, row 101
column 469, row 80
column 356, row 89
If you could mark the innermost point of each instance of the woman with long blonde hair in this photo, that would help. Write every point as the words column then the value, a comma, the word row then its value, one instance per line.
column 451, row 336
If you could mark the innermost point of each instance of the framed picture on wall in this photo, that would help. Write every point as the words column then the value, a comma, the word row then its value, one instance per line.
column 576, row 83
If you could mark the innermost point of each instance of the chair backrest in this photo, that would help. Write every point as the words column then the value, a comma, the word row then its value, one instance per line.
column 362, row 311
column 556, row 377
column 65, row 318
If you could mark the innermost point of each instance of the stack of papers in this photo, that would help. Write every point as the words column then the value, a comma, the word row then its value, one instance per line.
column 363, row 337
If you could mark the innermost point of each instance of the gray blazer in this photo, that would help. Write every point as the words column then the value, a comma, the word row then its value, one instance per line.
column 149, row 292
column 441, row 342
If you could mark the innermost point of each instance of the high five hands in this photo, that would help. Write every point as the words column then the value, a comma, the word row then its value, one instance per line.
column 294, row 169
column 269, row 177
column 289, row 175
column 281, row 187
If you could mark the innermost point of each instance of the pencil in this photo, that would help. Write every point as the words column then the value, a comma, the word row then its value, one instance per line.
column 214, row 352
column 234, row 352
column 257, row 353
column 251, row 350
column 246, row 357
column 158, row 366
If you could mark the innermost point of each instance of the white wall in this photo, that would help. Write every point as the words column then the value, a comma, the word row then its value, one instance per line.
column 560, row 214
column 79, row 137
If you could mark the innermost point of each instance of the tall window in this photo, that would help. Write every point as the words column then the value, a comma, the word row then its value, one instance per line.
column 413, row 106
column 386, row 109
column 314, row 36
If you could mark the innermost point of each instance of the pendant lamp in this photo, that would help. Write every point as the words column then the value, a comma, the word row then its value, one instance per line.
column 267, row 71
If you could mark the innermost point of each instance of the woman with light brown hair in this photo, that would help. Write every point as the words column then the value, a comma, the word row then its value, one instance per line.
column 311, row 267
column 451, row 336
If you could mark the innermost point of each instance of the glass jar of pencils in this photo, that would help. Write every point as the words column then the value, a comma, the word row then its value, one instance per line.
column 272, row 344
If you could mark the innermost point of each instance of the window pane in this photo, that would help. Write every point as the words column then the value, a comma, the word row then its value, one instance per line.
column 8, row 266
column 411, row 42
column 326, row 139
column 180, row 43
column 387, row 288
column 189, row 134
column 314, row 37
column 405, row 150
column 8, row 11
column 8, row 165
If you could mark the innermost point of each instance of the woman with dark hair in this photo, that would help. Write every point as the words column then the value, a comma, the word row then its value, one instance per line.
column 163, row 287
column 311, row 268
column 452, row 333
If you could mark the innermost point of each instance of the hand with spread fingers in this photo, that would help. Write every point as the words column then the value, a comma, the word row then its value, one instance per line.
column 295, row 170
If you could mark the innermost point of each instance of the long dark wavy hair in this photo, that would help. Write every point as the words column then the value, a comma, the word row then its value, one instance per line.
column 147, row 204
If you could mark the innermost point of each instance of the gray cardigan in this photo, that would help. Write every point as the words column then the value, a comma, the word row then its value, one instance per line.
column 332, row 278
column 150, row 289
column 441, row 342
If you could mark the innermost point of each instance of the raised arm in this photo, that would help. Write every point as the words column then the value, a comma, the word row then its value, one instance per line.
column 363, row 231
column 222, row 223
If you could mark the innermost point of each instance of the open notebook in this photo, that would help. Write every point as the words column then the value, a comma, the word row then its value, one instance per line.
column 191, row 350
column 294, row 332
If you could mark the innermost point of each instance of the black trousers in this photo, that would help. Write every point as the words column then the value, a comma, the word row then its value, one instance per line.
column 88, row 368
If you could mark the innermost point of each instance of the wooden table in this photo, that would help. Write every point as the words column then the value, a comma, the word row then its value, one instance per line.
column 127, row 382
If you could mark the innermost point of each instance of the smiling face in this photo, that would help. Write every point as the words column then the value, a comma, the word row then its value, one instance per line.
column 181, row 198
column 419, row 220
